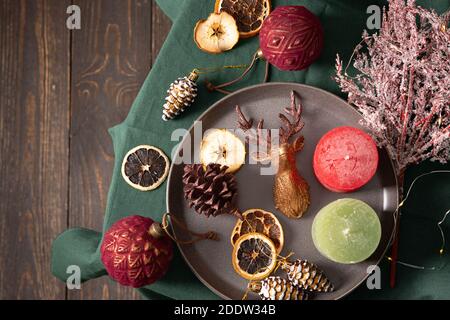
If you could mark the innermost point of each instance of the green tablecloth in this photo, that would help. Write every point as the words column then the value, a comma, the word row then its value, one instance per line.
column 343, row 22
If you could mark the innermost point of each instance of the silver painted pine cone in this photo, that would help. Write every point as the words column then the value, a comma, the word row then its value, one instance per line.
column 307, row 275
column 276, row 288
column 181, row 94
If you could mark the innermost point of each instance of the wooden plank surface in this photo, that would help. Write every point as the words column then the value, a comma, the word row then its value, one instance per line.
column 34, row 148
column 108, row 68
column 160, row 28
column 60, row 92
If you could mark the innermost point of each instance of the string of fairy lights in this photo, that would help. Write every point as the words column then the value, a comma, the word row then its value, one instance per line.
column 439, row 224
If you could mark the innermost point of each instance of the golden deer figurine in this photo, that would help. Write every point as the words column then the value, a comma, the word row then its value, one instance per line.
column 290, row 190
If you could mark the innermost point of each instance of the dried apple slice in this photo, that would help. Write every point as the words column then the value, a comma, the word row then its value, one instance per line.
column 216, row 34
column 222, row 147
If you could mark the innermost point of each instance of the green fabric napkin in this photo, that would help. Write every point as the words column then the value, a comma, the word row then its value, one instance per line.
column 343, row 22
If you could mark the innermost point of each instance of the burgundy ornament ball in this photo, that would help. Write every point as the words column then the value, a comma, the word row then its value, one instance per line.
column 291, row 38
column 136, row 252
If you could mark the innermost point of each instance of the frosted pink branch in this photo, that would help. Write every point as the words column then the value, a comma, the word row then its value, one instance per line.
column 402, row 84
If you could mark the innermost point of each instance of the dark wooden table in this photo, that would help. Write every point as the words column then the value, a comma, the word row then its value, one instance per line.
column 60, row 90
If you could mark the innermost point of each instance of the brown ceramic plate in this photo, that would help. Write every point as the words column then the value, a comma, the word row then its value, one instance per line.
column 211, row 260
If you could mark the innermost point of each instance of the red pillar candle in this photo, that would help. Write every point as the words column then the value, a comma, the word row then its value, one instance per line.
column 345, row 159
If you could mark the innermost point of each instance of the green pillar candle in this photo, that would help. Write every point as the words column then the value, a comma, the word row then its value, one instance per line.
column 346, row 231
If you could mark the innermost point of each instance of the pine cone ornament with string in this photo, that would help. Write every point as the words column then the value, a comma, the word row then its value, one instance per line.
column 307, row 275
column 181, row 94
column 276, row 288
column 210, row 190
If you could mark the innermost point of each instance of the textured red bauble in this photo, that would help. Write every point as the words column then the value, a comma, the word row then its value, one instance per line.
column 291, row 38
column 345, row 159
column 133, row 255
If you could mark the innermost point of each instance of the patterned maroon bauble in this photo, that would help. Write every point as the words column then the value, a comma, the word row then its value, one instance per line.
column 132, row 255
column 291, row 38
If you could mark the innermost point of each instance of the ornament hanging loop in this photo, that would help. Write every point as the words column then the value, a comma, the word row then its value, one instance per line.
column 258, row 55
column 164, row 227
column 282, row 261
column 193, row 76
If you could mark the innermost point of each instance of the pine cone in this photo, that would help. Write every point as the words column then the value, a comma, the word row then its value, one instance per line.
column 307, row 275
column 181, row 94
column 210, row 191
column 276, row 288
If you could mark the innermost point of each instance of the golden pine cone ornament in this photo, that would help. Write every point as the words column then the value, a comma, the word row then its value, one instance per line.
column 276, row 288
column 181, row 94
column 307, row 275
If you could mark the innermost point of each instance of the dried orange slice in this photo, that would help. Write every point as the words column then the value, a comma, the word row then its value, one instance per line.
column 249, row 14
column 261, row 221
column 254, row 256
column 145, row 167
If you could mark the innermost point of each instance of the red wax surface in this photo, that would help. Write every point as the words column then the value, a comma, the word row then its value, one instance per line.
column 345, row 159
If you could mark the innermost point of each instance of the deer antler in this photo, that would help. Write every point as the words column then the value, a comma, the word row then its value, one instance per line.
column 243, row 123
column 247, row 124
column 291, row 127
